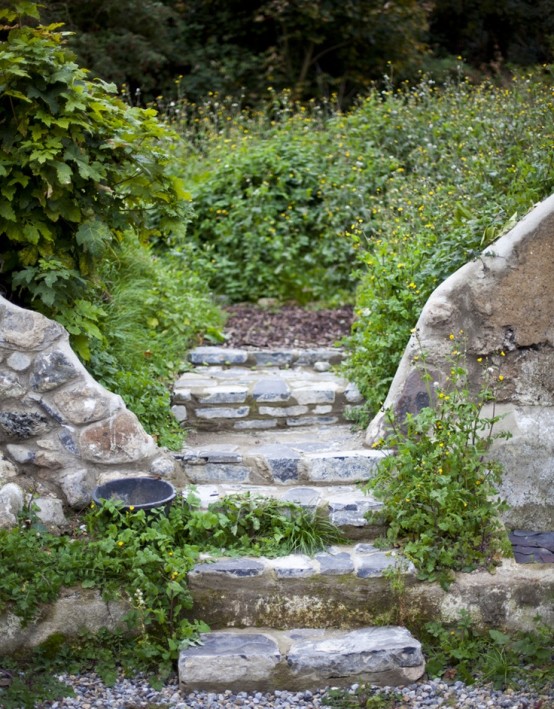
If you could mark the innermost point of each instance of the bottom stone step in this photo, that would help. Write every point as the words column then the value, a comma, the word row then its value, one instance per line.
column 263, row 659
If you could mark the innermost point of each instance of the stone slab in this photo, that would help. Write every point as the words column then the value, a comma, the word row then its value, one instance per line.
column 229, row 660
column 303, row 658
column 217, row 355
column 222, row 413
column 271, row 390
column 217, row 473
column 342, row 466
column 356, row 654
column 223, row 394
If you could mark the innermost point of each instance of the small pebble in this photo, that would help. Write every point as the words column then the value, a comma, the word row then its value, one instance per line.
column 91, row 693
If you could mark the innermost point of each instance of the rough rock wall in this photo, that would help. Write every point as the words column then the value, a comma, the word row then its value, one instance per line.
column 504, row 302
column 61, row 433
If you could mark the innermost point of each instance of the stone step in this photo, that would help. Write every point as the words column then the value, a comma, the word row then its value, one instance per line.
column 319, row 358
column 314, row 456
column 300, row 659
column 233, row 396
column 344, row 586
column 344, row 505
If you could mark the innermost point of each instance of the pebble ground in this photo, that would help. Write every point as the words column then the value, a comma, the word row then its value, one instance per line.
column 136, row 693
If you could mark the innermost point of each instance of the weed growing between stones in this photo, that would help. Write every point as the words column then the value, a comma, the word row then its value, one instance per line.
column 439, row 487
column 142, row 559
column 462, row 651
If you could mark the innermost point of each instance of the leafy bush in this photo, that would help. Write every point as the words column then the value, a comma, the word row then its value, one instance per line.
column 439, row 489
column 263, row 525
column 156, row 304
column 470, row 160
column 88, row 188
column 278, row 196
column 79, row 168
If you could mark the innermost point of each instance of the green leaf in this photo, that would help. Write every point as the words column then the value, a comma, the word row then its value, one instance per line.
column 64, row 172
column 7, row 212
column 93, row 235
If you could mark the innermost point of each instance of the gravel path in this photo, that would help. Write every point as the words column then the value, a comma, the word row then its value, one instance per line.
column 137, row 694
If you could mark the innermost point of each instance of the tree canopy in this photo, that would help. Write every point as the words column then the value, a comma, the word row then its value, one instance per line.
column 313, row 47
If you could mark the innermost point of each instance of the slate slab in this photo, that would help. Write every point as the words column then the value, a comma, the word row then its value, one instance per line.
column 225, row 658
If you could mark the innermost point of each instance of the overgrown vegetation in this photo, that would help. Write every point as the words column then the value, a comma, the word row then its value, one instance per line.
column 90, row 198
column 463, row 651
column 393, row 196
column 142, row 559
column 439, row 490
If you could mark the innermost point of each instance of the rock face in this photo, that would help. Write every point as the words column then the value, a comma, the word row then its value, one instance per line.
column 502, row 303
column 61, row 433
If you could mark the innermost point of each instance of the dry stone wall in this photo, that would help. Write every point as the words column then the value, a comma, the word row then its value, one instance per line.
column 61, row 433
column 503, row 301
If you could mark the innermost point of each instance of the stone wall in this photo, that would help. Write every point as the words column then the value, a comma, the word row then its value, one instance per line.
column 503, row 301
column 61, row 433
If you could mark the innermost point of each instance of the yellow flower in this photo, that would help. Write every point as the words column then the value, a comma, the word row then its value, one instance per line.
column 440, row 471
column 451, row 336
column 500, row 377
column 131, row 507
column 477, row 482
column 502, row 354
column 479, row 359
column 120, row 544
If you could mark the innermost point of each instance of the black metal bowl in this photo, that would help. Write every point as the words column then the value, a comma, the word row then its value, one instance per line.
column 138, row 493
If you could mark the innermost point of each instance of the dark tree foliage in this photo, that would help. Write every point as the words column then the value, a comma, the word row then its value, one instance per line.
column 133, row 43
column 313, row 47
column 494, row 31
column 242, row 46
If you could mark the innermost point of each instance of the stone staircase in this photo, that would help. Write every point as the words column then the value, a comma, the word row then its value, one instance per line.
column 272, row 423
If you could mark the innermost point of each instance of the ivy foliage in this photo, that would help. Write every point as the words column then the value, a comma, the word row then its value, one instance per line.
column 78, row 168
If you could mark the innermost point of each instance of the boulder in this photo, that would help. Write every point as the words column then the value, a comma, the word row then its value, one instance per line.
column 499, row 309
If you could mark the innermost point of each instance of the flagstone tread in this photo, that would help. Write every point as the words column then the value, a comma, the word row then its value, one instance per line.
column 301, row 658
column 279, row 465
column 253, row 357
column 361, row 560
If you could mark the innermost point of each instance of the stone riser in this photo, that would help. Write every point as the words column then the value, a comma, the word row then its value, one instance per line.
column 343, row 587
column 300, row 659
column 320, row 359
column 230, row 596
column 282, row 466
column 215, row 397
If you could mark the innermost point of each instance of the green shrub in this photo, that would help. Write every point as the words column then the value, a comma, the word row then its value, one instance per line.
column 157, row 305
column 79, row 168
column 92, row 220
column 502, row 658
column 439, row 489
column 470, row 160
column 142, row 559
column 278, row 196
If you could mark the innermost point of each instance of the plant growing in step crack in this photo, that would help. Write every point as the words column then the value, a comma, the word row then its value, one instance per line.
column 439, row 488
column 262, row 525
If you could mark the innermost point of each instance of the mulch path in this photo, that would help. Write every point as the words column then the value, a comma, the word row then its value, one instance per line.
column 286, row 326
